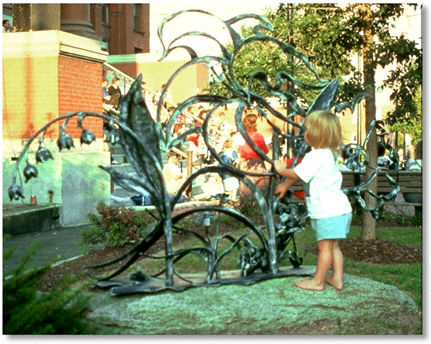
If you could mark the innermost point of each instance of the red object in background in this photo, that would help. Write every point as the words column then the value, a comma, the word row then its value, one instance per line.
column 289, row 162
column 193, row 139
column 245, row 150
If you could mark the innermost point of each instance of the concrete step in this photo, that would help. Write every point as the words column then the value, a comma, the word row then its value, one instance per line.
column 120, row 192
column 25, row 218
column 116, row 149
column 125, row 167
column 118, row 201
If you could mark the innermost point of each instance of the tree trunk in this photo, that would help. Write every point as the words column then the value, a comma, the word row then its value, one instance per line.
column 368, row 231
column 368, row 222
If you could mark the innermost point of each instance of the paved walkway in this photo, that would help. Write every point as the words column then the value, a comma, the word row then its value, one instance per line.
column 59, row 244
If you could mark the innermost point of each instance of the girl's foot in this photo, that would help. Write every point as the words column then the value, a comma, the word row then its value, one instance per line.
column 309, row 284
column 333, row 283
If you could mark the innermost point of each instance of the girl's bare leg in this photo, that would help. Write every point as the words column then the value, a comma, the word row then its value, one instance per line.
column 324, row 262
column 336, row 280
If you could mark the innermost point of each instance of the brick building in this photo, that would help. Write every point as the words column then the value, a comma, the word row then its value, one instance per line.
column 74, row 78
column 53, row 63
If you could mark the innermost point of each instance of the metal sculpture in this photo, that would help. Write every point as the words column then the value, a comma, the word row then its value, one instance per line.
column 260, row 250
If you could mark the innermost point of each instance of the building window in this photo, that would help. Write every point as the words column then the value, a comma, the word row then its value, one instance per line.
column 136, row 16
column 105, row 15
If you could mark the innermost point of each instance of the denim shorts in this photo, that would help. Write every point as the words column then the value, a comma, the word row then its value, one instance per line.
column 335, row 227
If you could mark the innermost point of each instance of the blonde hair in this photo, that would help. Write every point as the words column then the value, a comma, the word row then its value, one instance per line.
column 323, row 130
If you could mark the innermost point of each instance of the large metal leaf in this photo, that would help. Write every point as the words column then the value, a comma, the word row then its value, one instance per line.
column 141, row 149
column 325, row 99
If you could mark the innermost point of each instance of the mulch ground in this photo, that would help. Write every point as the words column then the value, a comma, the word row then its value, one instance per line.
column 380, row 251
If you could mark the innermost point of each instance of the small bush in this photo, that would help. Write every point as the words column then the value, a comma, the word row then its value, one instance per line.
column 402, row 219
column 26, row 310
column 389, row 217
column 114, row 226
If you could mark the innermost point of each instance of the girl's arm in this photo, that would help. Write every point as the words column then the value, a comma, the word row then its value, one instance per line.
column 280, row 168
column 288, row 173
column 282, row 188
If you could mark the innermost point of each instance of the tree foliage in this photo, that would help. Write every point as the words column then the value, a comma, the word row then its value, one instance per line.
column 353, row 43
column 411, row 125
column 332, row 37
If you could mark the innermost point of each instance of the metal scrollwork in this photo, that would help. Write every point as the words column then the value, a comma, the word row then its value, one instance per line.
column 261, row 248
column 358, row 160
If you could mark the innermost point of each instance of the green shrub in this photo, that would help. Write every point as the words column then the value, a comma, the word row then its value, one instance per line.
column 390, row 217
column 402, row 219
column 26, row 310
column 114, row 226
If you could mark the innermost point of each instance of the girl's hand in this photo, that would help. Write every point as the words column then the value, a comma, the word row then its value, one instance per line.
column 281, row 189
column 279, row 166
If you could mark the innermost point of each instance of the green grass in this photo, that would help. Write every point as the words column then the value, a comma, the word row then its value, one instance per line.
column 411, row 236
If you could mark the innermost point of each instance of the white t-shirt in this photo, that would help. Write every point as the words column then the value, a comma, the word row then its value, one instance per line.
column 324, row 197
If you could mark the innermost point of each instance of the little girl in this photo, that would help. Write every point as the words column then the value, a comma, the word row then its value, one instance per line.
column 328, row 207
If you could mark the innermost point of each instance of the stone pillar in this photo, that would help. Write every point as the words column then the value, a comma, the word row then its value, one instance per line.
column 75, row 18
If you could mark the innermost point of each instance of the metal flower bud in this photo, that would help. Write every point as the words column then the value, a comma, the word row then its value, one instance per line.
column 15, row 192
column 111, row 124
column 43, row 154
column 65, row 141
column 113, row 137
column 30, row 171
column 87, row 137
